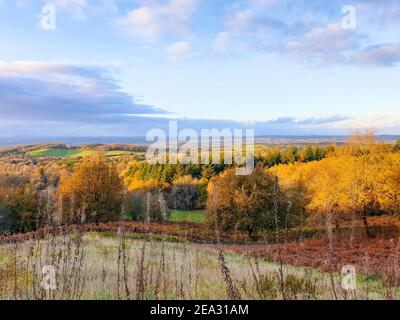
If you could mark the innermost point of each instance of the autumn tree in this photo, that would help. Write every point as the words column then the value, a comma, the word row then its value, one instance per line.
column 396, row 146
column 20, row 208
column 272, row 157
column 359, row 143
column 329, row 190
column 293, row 180
column 307, row 154
column 376, row 185
column 245, row 203
column 372, row 188
column 92, row 193
column 184, row 193
column 388, row 184
column 291, row 155
column 345, row 187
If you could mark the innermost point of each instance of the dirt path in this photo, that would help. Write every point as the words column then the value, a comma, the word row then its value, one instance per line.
column 239, row 248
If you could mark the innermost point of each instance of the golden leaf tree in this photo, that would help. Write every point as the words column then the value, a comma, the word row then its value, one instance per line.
column 92, row 193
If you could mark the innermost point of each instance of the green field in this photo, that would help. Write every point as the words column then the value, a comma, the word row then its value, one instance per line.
column 188, row 216
column 56, row 153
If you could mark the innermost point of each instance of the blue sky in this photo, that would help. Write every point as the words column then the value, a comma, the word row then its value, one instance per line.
column 122, row 67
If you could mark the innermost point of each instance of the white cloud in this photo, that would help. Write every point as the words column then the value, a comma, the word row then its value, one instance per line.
column 154, row 19
column 240, row 19
column 179, row 50
column 76, row 8
column 47, row 91
column 388, row 123
column 328, row 44
column 387, row 54
column 264, row 3
column 221, row 41
column 52, row 98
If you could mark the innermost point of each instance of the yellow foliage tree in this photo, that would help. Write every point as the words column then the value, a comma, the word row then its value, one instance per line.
column 347, row 185
column 92, row 193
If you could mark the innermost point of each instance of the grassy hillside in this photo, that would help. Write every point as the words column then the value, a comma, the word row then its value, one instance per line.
column 96, row 266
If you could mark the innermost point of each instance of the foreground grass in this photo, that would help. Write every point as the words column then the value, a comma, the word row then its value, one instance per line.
column 100, row 266
column 188, row 216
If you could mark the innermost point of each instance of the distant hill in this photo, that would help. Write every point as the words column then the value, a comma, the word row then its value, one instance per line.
column 262, row 139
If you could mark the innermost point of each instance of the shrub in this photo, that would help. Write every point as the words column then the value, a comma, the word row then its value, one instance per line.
column 8, row 220
column 146, row 206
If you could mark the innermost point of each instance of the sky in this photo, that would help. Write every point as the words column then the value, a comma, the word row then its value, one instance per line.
column 123, row 67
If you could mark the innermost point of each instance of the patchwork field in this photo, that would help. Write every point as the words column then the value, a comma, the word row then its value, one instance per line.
column 73, row 153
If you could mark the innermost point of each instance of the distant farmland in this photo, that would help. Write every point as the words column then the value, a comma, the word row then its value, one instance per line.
column 72, row 153
column 55, row 153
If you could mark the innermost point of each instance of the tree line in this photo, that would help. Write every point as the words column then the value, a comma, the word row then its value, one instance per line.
column 288, row 187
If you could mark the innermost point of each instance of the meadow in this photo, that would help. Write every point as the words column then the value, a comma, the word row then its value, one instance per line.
column 198, row 216
column 96, row 266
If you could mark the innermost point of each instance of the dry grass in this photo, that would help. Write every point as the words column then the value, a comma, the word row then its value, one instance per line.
column 92, row 266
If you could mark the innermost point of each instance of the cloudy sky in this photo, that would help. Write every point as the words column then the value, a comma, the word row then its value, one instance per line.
column 122, row 67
